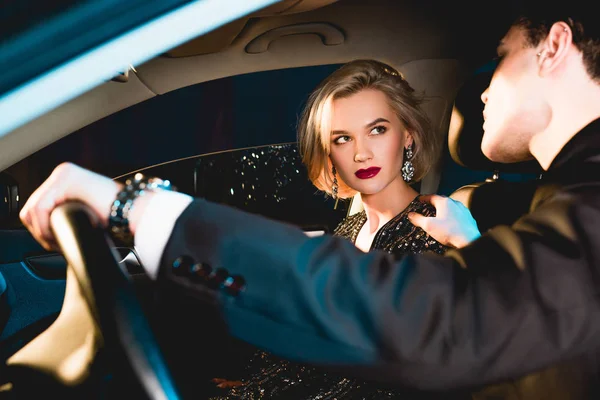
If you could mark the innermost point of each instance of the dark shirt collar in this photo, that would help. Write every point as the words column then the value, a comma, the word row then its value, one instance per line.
column 582, row 147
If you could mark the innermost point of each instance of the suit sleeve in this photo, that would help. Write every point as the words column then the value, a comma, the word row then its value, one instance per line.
column 517, row 299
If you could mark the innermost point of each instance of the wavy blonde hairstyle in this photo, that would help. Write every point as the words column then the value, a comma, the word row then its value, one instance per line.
column 314, row 127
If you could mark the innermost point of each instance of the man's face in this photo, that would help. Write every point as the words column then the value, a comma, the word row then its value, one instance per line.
column 515, row 109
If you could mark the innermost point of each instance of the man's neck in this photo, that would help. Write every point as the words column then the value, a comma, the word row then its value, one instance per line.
column 572, row 113
column 547, row 145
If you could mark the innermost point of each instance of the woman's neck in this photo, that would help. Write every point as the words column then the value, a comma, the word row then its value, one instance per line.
column 386, row 204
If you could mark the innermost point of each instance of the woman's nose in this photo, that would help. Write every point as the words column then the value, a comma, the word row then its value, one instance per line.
column 362, row 152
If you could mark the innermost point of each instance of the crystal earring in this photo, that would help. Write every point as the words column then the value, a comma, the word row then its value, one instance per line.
column 408, row 170
column 334, row 187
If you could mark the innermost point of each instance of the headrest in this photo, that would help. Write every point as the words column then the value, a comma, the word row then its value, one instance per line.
column 466, row 132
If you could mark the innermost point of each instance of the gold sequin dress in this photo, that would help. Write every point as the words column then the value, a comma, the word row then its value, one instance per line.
column 270, row 377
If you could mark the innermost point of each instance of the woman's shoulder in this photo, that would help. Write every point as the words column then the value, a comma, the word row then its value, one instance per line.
column 349, row 225
column 419, row 240
column 421, row 207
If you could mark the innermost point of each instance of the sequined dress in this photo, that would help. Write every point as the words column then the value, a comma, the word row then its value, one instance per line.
column 269, row 377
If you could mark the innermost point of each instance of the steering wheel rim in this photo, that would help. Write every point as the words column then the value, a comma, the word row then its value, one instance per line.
column 111, row 298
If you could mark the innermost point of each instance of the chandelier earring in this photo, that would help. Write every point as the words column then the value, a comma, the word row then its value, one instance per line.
column 334, row 186
column 408, row 170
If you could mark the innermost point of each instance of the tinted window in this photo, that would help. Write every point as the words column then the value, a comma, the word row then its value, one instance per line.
column 199, row 126
column 266, row 180
column 270, row 181
column 230, row 113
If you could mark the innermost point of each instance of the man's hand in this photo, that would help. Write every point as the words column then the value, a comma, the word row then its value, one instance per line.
column 67, row 182
column 453, row 224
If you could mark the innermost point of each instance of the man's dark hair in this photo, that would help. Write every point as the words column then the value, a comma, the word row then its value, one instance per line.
column 536, row 17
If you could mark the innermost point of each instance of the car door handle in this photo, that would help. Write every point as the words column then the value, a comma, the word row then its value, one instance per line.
column 330, row 35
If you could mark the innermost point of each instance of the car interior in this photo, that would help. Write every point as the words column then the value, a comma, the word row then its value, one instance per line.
column 58, row 325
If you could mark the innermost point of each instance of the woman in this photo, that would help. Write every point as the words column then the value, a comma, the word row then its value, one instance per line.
column 362, row 131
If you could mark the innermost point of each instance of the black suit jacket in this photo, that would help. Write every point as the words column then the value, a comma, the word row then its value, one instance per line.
column 518, row 299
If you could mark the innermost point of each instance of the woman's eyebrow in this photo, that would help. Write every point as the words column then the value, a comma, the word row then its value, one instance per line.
column 370, row 124
column 338, row 132
column 377, row 121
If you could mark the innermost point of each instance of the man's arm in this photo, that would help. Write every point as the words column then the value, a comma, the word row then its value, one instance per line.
column 513, row 301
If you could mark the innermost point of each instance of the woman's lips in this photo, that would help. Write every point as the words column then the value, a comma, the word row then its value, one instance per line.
column 367, row 173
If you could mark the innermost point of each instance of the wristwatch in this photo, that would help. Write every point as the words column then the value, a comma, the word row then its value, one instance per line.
column 118, row 220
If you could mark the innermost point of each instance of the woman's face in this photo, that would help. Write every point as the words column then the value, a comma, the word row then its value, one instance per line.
column 367, row 141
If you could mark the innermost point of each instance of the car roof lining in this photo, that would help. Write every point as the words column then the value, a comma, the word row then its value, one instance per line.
column 224, row 36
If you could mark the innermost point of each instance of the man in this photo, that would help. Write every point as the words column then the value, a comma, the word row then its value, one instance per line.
column 501, row 305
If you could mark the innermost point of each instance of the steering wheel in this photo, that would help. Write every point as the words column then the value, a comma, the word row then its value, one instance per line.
column 110, row 305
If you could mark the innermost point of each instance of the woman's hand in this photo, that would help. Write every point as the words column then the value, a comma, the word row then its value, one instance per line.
column 67, row 182
column 453, row 224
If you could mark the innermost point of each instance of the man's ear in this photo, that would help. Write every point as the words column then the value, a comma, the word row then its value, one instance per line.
column 555, row 47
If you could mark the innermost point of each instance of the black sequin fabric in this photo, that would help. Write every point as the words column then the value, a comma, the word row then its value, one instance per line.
column 398, row 236
column 270, row 377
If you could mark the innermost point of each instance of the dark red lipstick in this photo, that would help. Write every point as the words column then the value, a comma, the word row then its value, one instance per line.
column 367, row 173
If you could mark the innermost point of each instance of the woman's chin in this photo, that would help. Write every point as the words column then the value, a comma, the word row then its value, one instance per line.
column 368, row 190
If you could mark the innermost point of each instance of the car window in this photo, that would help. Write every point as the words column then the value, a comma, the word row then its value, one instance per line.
column 230, row 113
column 214, row 123
column 267, row 180
column 270, row 181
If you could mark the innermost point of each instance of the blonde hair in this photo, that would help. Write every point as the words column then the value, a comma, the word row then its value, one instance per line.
column 314, row 132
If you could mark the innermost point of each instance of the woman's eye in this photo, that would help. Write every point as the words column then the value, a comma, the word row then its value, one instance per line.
column 341, row 139
column 378, row 130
